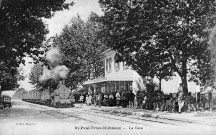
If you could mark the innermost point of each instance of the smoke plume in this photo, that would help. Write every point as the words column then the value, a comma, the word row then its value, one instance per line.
column 57, row 71
column 54, row 57
column 61, row 71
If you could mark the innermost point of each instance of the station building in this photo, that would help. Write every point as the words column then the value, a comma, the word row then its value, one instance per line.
column 118, row 76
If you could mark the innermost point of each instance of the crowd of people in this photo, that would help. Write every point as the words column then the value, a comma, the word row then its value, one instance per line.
column 124, row 99
column 174, row 102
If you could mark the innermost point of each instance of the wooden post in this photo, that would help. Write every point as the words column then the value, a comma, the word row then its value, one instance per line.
column 108, row 87
column 119, row 85
column 115, row 87
column 94, row 86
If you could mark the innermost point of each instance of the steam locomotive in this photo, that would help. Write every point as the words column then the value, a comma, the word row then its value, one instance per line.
column 59, row 96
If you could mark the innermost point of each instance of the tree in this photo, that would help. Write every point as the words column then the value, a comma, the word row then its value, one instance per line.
column 212, row 43
column 163, row 71
column 35, row 74
column 154, row 64
column 82, row 49
column 174, row 29
column 19, row 94
column 8, row 77
column 22, row 29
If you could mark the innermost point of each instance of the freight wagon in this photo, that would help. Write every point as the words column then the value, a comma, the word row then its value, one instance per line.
column 5, row 101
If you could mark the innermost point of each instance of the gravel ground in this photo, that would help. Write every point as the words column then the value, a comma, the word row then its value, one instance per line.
column 30, row 119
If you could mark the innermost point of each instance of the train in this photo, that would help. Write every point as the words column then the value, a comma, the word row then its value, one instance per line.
column 60, row 96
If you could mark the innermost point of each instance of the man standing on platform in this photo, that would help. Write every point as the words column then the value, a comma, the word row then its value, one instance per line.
column 118, row 98
column 124, row 99
column 131, row 99
column 99, row 99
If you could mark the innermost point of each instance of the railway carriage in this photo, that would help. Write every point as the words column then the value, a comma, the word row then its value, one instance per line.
column 59, row 97
column 46, row 97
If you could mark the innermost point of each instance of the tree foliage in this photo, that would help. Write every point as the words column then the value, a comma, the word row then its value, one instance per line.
column 22, row 30
column 82, row 49
column 146, row 33
column 8, row 77
column 35, row 74
column 212, row 43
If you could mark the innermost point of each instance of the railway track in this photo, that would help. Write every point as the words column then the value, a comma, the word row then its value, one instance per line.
column 159, row 119
column 54, row 112
column 149, row 119
column 98, row 117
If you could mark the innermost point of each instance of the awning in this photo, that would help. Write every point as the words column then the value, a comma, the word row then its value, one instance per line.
column 97, row 80
column 104, row 79
column 126, row 75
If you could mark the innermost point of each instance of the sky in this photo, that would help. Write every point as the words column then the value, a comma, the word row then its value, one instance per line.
column 84, row 8
column 62, row 18
column 172, row 85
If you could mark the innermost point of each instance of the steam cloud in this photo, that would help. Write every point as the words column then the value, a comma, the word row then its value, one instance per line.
column 57, row 71
column 54, row 57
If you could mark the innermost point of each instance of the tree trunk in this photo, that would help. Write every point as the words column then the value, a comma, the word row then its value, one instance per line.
column 160, row 80
column 184, row 77
column 184, row 84
column 89, row 74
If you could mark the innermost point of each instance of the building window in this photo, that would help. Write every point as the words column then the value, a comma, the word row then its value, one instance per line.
column 130, row 86
column 121, row 86
column 108, row 65
column 117, row 66
column 117, row 86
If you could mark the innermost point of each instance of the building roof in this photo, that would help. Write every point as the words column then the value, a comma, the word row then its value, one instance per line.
column 107, row 51
column 125, row 75
column 105, row 79
column 97, row 80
